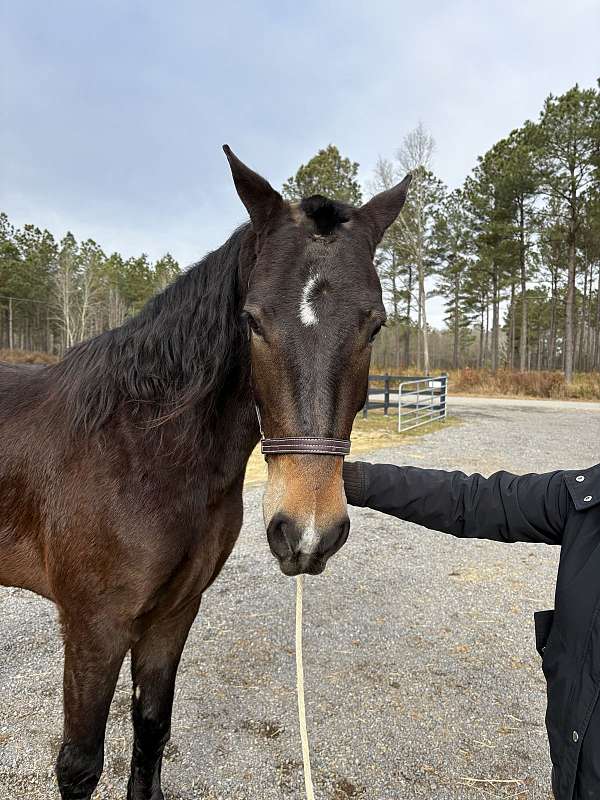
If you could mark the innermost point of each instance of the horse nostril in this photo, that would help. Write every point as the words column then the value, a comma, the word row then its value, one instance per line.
column 283, row 536
column 334, row 538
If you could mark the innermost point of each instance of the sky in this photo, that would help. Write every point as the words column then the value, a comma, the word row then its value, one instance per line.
column 112, row 114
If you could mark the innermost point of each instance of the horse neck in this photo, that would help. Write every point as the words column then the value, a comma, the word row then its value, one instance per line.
column 199, row 350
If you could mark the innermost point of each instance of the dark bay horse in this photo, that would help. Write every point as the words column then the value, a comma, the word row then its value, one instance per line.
column 121, row 467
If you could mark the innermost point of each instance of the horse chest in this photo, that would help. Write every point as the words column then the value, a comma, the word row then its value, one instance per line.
column 206, row 546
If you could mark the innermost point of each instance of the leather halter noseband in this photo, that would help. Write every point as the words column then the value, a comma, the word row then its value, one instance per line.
column 307, row 445
column 314, row 445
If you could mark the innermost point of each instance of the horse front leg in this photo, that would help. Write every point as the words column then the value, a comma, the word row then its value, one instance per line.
column 154, row 662
column 94, row 653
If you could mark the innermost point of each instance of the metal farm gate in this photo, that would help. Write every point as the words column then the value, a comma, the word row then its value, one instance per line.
column 421, row 400
column 417, row 399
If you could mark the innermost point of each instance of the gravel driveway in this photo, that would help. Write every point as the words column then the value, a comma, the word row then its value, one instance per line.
column 422, row 676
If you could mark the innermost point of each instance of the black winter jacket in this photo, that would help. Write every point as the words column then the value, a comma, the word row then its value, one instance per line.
column 561, row 508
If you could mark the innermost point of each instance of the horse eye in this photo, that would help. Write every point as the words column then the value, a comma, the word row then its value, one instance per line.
column 253, row 324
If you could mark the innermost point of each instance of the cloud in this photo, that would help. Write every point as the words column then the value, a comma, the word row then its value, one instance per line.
column 113, row 114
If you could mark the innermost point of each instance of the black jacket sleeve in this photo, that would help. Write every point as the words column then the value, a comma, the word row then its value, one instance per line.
column 503, row 507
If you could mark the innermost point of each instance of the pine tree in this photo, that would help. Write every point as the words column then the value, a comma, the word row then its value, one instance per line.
column 491, row 211
column 165, row 270
column 328, row 174
column 567, row 151
column 521, row 186
column 450, row 257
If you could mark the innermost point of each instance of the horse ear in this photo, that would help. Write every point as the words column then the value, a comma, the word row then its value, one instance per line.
column 382, row 209
column 257, row 194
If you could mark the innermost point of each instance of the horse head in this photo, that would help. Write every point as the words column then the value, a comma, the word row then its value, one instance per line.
column 313, row 307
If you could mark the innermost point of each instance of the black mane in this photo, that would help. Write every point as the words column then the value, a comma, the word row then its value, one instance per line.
column 176, row 355
column 326, row 214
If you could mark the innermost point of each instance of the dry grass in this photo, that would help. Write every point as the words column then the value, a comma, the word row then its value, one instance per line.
column 504, row 382
column 549, row 384
column 26, row 357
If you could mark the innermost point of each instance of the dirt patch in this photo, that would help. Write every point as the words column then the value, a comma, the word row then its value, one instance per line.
column 288, row 771
column 344, row 789
column 266, row 729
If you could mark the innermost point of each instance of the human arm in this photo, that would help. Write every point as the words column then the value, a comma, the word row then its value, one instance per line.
column 503, row 507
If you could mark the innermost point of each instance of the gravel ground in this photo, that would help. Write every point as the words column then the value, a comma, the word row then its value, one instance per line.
column 422, row 676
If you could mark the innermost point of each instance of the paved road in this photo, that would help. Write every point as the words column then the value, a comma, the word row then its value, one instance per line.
column 523, row 403
column 422, row 677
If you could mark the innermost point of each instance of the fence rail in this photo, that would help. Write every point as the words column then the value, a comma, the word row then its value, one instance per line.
column 418, row 399
column 381, row 397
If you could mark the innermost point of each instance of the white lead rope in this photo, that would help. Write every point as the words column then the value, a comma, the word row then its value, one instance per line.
column 300, row 688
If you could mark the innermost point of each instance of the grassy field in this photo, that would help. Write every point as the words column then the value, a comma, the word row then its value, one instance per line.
column 369, row 434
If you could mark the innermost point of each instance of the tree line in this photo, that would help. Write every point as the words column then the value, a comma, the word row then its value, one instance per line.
column 514, row 252
column 55, row 294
